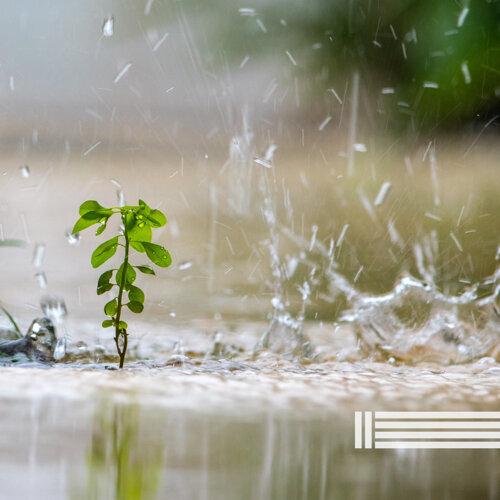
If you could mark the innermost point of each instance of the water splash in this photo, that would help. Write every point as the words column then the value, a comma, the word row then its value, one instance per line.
column 240, row 168
column 55, row 309
column 285, row 332
column 416, row 320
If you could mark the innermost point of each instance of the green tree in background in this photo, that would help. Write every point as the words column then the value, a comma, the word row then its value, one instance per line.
column 442, row 59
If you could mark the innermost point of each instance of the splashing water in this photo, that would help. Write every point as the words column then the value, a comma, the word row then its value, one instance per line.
column 55, row 309
column 284, row 333
column 416, row 321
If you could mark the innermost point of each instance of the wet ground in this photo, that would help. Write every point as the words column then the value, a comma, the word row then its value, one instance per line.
column 198, row 413
column 264, row 429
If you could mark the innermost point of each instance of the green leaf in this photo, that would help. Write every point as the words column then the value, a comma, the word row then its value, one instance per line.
column 90, row 206
column 104, row 252
column 135, row 294
column 157, row 254
column 101, row 228
column 104, row 288
column 137, row 246
column 130, row 275
column 104, row 278
column 122, row 325
column 87, row 220
column 145, row 269
column 156, row 218
column 107, row 323
column 135, row 307
column 139, row 232
column 91, row 213
column 144, row 209
column 111, row 307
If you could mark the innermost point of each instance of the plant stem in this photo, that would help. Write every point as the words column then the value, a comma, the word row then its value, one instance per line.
column 118, row 332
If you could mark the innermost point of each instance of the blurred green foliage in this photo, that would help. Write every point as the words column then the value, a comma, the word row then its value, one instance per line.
column 441, row 58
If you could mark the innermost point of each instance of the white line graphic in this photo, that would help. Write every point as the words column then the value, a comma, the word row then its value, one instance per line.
column 358, row 425
column 437, row 425
column 368, row 429
column 437, row 414
column 437, row 435
column 431, row 430
column 443, row 445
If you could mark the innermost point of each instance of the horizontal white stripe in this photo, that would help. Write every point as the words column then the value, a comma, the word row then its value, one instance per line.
column 437, row 435
column 438, row 444
column 437, row 425
column 437, row 414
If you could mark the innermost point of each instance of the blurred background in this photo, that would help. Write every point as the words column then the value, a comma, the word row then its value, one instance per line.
column 373, row 125
column 190, row 67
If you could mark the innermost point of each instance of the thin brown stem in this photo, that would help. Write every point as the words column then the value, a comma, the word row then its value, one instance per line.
column 119, row 332
column 125, row 342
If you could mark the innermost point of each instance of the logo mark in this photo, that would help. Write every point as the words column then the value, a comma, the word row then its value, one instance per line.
column 427, row 429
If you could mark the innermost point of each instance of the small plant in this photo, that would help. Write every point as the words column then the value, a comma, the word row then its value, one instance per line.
column 136, row 231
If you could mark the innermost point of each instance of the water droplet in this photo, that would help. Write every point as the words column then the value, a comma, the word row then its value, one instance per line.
column 25, row 171
column 108, row 27
column 174, row 228
column 73, row 239
column 38, row 254
column 42, row 280
column 121, row 197
column 247, row 11
column 184, row 265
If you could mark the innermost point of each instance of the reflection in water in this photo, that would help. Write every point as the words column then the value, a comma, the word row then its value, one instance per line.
column 122, row 463
column 132, row 452
column 183, row 434
column 147, row 453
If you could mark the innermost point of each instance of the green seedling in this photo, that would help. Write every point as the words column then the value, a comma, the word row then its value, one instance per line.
column 136, row 231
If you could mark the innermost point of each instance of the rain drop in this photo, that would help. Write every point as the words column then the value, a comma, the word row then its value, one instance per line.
column 38, row 255
column 108, row 27
column 73, row 239
column 42, row 280
column 25, row 171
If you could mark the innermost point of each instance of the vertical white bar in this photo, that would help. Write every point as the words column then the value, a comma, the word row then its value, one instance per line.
column 368, row 429
column 358, row 429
